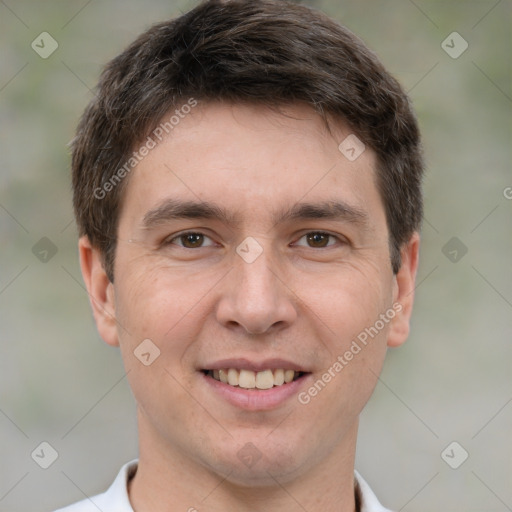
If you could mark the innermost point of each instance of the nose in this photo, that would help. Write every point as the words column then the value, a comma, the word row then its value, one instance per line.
column 255, row 297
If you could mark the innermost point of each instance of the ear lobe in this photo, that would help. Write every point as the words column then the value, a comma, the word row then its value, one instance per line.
column 100, row 290
column 405, row 281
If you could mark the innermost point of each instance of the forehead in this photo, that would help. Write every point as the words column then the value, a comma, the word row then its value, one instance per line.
column 252, row 161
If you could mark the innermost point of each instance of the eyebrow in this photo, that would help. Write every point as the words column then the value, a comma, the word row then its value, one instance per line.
column 175, row 209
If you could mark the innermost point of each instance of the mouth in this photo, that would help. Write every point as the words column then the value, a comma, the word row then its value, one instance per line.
column 254, row 380
column 253, row 385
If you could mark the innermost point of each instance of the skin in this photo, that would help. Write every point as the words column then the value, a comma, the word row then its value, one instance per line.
column 298, row 302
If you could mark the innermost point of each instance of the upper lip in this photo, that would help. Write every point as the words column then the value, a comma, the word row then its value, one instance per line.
column 255, row 366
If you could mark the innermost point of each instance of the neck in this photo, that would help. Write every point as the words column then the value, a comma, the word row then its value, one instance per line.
column 168, row 480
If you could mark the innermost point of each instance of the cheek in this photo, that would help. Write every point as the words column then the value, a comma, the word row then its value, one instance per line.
column 158, row 321
column 154, row 299
column 167, row 307
column 349, row 299
column 350, row 304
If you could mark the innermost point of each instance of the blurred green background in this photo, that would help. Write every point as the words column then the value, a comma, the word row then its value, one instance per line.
column 452, row 380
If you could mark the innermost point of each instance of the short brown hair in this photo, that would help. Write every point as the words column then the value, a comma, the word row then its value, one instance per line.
column 264, row 51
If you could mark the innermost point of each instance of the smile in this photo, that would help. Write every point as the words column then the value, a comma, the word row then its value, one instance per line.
column 248, row 379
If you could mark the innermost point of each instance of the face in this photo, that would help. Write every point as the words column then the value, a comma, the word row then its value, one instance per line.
column 250, row 249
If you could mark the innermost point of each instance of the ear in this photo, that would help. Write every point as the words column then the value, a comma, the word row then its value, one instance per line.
column 403, row 295
column 100, row 290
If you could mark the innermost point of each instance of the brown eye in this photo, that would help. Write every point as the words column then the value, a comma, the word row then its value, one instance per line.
column 317, row 239
column 190, row 240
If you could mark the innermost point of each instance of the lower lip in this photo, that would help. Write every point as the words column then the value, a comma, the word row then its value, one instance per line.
column 256, row 399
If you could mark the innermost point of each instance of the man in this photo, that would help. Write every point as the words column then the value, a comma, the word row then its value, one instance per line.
column 247, row 186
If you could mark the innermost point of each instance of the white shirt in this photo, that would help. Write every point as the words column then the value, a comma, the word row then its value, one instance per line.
column 116, row 498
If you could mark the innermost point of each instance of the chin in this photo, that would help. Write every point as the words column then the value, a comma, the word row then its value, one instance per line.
column 257, row 462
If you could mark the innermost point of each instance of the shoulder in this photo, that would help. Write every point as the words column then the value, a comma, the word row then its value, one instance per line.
column 368, row 500
column 115, row 499
column 87, row 505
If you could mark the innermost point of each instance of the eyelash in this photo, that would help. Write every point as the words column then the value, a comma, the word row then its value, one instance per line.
column 170, row 241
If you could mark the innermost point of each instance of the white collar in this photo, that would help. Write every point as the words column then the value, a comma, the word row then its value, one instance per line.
column 115, row 499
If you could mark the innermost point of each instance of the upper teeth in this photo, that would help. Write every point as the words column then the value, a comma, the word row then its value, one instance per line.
column 250, row 380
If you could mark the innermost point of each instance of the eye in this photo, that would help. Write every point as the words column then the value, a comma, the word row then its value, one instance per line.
column 191, row 240
column 317, row 240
